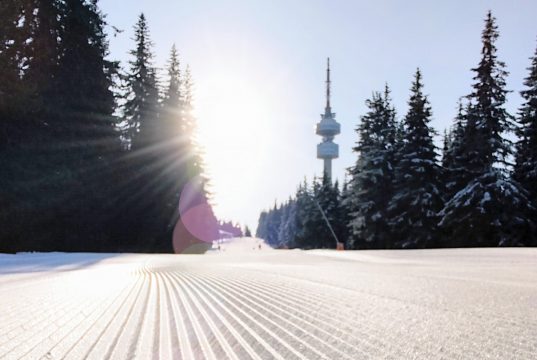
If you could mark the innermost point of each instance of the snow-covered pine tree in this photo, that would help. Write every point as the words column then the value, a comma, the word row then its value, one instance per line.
column 282, row 236
column 459, row 162
column 491, row 210
column 372, row 176
column 261, row 231
column 447, row 140
column 525, row 170
column 313, row 225
column 274, row 218
column 288, row 228
column 306, row 212
column 340, row 216
column 344, row 213
column 327, row 197
column 418, row 197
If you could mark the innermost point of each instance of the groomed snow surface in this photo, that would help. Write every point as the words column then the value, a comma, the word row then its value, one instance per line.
column 243, row 302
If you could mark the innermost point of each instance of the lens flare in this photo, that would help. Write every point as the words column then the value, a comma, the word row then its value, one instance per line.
column 197, row 227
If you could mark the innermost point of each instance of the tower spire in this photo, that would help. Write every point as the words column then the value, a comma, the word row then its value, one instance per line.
column 328, row 84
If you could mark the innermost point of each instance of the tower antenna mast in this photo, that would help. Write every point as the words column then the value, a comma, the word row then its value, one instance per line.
column 328, row 83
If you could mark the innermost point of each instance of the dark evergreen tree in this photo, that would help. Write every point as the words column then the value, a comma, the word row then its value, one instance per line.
column 305, row 212
column 418, row 197
column 311, row 218
column 172, row 98
column 342, row 230
column 13, row 93
column 247, row 231
column 141, row 195
column 447, row 142
column 525, row 170
column 85, row 125
column 373, row 175
column 141, row 107
column 84, row 83
column 488, row 100
column 460, row 162
column 273, row 227
column 261, row 231
column 491, row 209
column 168, row 150
column 327, row 197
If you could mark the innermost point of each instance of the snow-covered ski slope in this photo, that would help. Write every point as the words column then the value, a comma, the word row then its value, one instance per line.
column 246, row 303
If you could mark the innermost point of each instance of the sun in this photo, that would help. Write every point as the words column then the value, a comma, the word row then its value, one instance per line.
column 234, row 129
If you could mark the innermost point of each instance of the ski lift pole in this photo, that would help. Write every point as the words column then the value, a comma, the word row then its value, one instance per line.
column 339, row 245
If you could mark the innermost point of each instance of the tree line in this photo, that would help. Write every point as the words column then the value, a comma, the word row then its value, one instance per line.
column 482, row 192
column 93, row 155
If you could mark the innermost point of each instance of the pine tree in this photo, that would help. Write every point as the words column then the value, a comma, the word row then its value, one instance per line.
column 491, row 210
column 282, row 239
column 417, row 199
column 488, row 100
column 142, row 194
column 342, row 231
column 288, row 229
column 11, row 44
column 83, row 86
column 172, row 98
column 273, row 227
column 525, row 170
column 247, row 231
column 372, row 177
column 85, row 79
column 447, row 142
column 312, row 221
column 193, row 154
column 460, row 160
column 169, row 148
column 261, row 231
column 306, row 211
column 327, row 198
column 142, row 101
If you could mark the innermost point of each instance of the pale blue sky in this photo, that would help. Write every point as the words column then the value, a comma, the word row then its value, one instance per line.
column 259, row 70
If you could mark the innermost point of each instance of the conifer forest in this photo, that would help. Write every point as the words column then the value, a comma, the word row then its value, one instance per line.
column 478, row 190
column 94, row 155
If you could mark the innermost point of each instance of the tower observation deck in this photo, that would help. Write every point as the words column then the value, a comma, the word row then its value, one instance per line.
column 328, row 128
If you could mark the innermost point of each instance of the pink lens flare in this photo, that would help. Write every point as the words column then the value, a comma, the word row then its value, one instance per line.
column 197, row 227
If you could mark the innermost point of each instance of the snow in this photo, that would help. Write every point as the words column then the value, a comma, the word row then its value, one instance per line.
column 242, row 302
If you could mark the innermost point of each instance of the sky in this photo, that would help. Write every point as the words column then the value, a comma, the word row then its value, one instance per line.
column 259, row 72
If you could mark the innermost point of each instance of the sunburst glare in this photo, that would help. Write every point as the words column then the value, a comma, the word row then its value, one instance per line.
column 234, row 130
